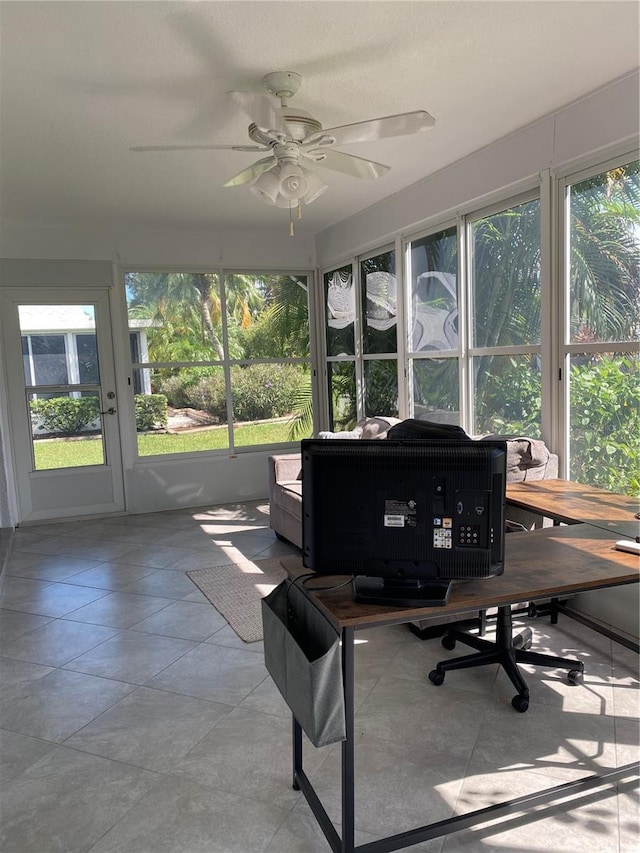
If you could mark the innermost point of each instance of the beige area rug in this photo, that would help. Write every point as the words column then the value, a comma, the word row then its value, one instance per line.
column 235, row 591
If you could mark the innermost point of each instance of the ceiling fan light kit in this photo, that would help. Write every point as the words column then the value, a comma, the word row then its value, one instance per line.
column 293, row 183
column 292, row 136
column 267, row 186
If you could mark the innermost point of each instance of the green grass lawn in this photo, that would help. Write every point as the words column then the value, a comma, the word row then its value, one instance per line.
column 63, row 453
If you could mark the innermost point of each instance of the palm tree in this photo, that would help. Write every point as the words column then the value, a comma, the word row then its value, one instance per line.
column 187, row 308
column 605, row 257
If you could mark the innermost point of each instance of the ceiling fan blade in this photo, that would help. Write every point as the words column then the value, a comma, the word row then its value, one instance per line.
column 246, row 176
column 348, row 164
column 199, row 148
column 260, row 109
column 376, row 128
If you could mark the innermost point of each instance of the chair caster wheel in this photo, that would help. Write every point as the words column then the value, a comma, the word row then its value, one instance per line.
column 449, row 642
column 574, row 676
column 436, row 677
column 520, row 703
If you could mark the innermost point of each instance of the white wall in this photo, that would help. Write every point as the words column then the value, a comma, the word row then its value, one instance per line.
column 607, row 117
column 179, row 484
column 267, row 248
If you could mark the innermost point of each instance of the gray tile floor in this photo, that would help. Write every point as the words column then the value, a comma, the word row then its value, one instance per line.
column 133, row 719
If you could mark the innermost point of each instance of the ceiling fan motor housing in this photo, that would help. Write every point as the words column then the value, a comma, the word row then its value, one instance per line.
column 282, row 84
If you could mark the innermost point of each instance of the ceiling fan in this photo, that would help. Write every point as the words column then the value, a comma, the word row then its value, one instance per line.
column 296, row 140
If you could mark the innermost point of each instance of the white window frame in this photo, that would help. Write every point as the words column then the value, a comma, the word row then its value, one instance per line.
column 563, row 349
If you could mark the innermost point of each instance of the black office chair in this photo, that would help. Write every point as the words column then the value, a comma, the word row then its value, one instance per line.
column 508, row 651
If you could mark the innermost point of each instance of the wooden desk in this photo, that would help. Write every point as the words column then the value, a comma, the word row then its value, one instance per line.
column 569, row 502
column 539, row 564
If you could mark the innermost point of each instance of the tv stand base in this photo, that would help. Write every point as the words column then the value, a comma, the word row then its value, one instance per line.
column 397, row 594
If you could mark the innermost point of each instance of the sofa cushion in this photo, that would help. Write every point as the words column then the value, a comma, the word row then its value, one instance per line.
column 414, row 428
column 527, row 458
column 376, row 427
column 290, row 496
column 350, row 433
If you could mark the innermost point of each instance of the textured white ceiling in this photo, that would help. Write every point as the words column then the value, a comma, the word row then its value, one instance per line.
column 82, row 82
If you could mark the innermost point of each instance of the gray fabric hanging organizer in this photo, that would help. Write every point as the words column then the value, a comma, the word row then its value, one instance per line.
column 303, row 656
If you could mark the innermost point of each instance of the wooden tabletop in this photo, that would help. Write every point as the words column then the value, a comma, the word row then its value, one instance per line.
column 570, row 502
column 539, row 564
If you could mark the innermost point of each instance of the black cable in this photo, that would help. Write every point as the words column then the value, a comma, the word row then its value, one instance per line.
column 326, row 588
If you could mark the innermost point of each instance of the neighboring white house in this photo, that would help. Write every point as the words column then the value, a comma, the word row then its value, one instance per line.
column 59, row 346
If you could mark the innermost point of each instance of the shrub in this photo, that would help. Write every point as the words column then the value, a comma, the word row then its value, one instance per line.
column 258, row 392
column 605, row 407
column 66, row 415
column 209, row 395
column 178, row 387
column 605, row 417
column 151, row 411
column 261, row 391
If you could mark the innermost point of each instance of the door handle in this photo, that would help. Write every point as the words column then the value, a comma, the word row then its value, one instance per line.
column 110, row 411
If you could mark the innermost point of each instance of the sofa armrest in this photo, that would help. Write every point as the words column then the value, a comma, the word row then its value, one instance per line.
column 284, row 468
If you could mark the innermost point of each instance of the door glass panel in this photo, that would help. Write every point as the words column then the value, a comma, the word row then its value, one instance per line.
column 59, row 348
column 66, row 430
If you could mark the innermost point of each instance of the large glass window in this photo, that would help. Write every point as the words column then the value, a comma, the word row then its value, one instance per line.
column 504, row 271
column 340, row 318
column 362, row 340
column 379, row 304
column 602, row 328
column 340, row 305
column 220, row 361
column 379, row 310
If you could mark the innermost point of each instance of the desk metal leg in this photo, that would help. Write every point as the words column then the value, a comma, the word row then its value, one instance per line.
column 297, row 753
column 346, row 843
column 348, row 745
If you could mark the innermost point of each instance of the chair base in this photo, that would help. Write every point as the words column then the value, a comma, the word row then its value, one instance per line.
column 508, row 651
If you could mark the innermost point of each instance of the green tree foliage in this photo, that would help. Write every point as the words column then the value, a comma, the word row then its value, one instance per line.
column 281, row 330
column 605, row 423
column 605, row 250
column 185, row 310
column 258, row 391
column 605, row 416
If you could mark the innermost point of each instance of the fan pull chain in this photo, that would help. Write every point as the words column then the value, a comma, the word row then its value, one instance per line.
column 290, row 222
